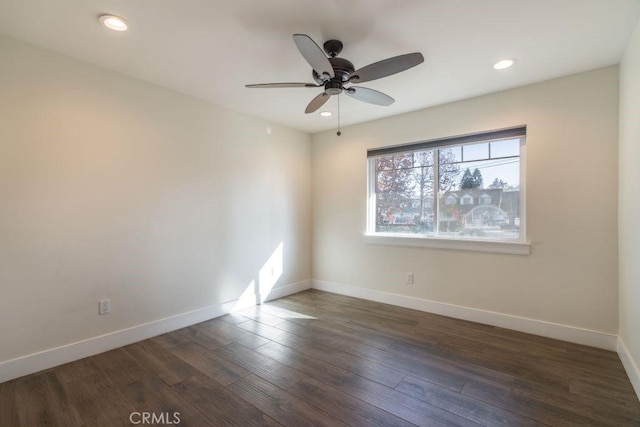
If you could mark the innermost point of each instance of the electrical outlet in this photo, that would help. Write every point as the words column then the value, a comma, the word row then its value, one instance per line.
column 408, row 278
column 104, row 306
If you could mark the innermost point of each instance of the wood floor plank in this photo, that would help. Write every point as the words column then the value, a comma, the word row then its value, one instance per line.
column 359, row 366
column 120, row 367
column 205, row 336
column 337, row 330
column 235, row 334
column 232, row 318
column 343, row 406
column 476, row 358
column 41, row 400
column 461, row 404
column 281, row 405
column 221, row 405
column 366, row 336
column 272, row 333
column 451, row 364
column 401, row 405
column 615, row 383
column 327, row 373
column 545, row 412
column 284, row 313
column 76, row 371
column 621, row 398
column 172, row 338
column 265, row 367
column 420, row 368
column 255, row 313
column 217, row 368
column 591, row 406
column 453, row 330
column 350, row 312
column 99, row 402
column 170, row 368
column 308, row 365
column 8, row 405
column 153, row 395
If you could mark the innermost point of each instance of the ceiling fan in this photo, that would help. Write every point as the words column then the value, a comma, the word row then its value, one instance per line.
column 334, row 73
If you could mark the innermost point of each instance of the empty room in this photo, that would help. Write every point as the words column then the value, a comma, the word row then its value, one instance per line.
column 338, row 213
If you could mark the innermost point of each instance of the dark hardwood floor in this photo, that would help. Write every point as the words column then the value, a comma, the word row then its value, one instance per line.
column 316, row 358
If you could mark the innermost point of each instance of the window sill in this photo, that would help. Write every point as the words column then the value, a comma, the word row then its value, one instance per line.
column 494, row 246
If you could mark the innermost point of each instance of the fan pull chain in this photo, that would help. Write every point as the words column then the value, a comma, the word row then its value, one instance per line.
column 338, row 133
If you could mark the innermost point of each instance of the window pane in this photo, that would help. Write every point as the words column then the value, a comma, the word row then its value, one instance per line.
column 481, row 200
column 449, row 176
column 384, row 163
column 475, row 152
column 506, row 148
column 403, row 161
column 450, row 155
column 405, row 194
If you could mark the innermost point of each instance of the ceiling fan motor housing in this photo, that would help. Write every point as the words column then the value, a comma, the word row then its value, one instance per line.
column 341, row 68
column 333, row 88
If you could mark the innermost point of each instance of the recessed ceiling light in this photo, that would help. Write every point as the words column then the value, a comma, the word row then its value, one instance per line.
column 326, row 113
column 504, row 63
column 113, row 22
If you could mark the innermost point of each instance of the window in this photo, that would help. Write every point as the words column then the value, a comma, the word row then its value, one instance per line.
column 451, row 199
column 485, row 199
column 467, row 199
column 468, row 187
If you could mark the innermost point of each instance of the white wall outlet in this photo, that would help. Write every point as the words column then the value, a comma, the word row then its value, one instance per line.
column 408, row 278
column 104, row 306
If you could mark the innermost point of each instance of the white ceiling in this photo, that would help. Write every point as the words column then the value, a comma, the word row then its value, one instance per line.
column 210, row 49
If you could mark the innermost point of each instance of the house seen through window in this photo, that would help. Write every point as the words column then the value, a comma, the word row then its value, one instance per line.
column 467, row 187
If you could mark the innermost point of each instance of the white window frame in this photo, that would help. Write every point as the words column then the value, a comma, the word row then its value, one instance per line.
column 517, row 247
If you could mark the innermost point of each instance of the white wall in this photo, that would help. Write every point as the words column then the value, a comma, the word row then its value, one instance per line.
column 114, row 188
column 629, row 205
column 571, row 276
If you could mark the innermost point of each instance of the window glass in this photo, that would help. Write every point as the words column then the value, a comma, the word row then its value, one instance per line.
column 450, row 155
column 405, row 193
column 507, row 148
column 475, row 152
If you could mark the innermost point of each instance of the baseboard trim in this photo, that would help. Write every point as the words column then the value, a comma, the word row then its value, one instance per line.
column 633, row 372
column 531, row 326
column 46, row 359
column 283, row 291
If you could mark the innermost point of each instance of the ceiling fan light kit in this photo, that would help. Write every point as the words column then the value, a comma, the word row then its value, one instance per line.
column 334, row 73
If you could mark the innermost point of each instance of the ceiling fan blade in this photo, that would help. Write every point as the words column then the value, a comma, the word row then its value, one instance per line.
column 317, row 102
column 314, row 55
column 386, row 67
column 369, row 95
column 275, row 85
